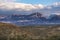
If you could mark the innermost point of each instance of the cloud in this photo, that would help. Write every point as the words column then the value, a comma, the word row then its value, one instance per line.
column 56, row 3
column 7, row 0
column 10, row 6
column 22, row 8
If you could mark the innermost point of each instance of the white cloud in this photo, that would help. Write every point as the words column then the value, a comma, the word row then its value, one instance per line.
column 7, row 0
column 56, row 4
column 57, row 13
column 49, row 7
column 20, row 6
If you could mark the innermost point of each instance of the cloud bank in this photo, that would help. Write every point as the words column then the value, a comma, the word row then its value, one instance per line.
column 22, row 8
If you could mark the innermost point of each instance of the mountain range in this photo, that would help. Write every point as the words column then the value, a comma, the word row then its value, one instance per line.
column 31, row 19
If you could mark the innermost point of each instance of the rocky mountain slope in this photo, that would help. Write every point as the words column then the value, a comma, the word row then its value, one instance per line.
column 32, row 19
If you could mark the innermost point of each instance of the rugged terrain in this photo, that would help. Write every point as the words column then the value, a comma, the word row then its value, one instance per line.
column 13, row 32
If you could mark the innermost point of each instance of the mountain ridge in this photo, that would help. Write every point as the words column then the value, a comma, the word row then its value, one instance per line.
column 32, row 19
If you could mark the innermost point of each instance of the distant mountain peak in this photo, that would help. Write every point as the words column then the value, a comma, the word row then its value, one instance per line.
column 36, row 14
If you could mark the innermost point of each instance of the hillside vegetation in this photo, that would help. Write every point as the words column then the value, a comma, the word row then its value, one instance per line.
column 13, row 32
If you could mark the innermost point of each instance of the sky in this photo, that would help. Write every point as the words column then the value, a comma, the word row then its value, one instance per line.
column 44, row 2
column 29, row 6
